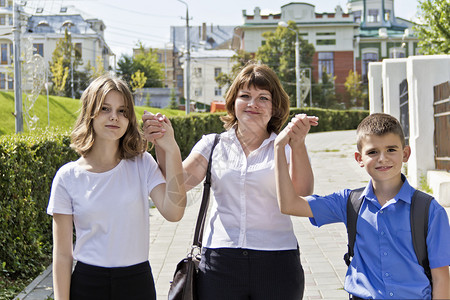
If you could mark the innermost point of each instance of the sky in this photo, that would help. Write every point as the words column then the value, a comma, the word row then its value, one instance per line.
column 149, row 21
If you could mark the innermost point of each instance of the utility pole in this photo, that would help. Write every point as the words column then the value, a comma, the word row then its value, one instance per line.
column 187, row 66
column 17, row 76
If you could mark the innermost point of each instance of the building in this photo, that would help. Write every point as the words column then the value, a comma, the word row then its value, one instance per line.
column 210, row 52
column 43, row 29
column 206, row 65
column 343, row 41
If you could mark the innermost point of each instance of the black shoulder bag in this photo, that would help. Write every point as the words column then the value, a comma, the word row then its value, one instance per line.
column 184, row 283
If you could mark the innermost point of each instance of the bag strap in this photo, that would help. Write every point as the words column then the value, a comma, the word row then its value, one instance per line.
column 354, row 202
column 198, row 234
column 420, row 205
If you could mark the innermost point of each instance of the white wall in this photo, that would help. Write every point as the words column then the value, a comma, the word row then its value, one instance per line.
column 423, row 72
column 393, row 73
column 375, row 86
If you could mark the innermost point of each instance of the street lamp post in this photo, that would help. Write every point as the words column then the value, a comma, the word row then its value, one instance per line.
column 297, row 63
column 187, row 65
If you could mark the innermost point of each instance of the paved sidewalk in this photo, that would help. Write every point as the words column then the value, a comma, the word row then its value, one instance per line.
column 321, row 249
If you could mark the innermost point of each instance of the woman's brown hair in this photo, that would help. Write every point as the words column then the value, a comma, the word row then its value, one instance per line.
column 131, row 143
column 262, row 77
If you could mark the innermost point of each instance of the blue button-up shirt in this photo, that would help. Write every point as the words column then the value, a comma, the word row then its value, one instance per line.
column 385, row 265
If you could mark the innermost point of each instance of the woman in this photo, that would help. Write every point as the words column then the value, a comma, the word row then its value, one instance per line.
column 249, row 249
column 105, row 195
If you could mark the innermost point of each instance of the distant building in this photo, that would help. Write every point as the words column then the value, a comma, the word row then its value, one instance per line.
column 210, row 52
column 206, row 65
column 344, row 41
column 44, row 28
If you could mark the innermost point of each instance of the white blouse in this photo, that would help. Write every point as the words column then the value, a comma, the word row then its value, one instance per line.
column 245, row 211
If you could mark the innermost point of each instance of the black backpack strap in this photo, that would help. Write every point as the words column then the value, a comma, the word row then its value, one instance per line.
column 353, row 205
column 420, row 205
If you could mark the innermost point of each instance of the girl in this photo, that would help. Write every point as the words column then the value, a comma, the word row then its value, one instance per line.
column 105, row 195
column 250, row 250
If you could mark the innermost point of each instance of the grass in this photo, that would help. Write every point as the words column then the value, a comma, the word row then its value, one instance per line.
column 63, row 112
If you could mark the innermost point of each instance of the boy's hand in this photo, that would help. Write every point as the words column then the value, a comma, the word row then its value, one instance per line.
column 153, row 126
column 299, row 127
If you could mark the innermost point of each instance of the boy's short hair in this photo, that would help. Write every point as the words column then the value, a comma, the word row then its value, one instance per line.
column 378, row 124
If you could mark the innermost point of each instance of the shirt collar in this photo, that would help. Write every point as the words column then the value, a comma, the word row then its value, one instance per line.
column 231, row 133
column 405, row 194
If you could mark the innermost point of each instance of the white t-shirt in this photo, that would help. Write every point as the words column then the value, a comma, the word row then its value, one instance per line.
column 110, row 209
column 245, row 213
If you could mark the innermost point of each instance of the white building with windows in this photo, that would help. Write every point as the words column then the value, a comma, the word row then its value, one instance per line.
column 367, row 32
column 206, row 65
column 43, row 28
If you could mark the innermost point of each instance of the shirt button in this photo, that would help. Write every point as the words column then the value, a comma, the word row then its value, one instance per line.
column 382, row 233
column 386, row 274
column 381, row 212
column 385, row 253
column 391, row 294
column 245, row 252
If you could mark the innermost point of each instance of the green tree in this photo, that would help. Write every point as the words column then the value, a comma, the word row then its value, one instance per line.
column 354, row 87
column 145, row 60
column 173, row 99
column 99, row 68
column 434, row 31
column 138, row 80
column 67, row 57
column 59, row 75
column 324, row 92
column 240, row 59
column 278, row 52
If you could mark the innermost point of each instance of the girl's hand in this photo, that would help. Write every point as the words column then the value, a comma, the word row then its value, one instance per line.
column 153, row 126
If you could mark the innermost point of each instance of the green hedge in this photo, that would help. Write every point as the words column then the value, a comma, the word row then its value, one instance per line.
column 27, row 166
column 29, row 162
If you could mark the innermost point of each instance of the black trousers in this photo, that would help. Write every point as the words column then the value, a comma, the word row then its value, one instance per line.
column 242, row 274
column 99, row 283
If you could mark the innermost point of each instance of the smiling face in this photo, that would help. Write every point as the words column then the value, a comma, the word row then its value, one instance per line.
column 111, row 122
column 382, row 156
column 253, row 108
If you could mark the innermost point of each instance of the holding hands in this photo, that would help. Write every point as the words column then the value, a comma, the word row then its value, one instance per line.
column 158, row 130
column 295, row 132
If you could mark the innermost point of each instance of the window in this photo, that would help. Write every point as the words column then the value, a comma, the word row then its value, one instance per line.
column 366, row 59
column 2, row 3
column 325, row 33
column 10, row 83
column 198, row 92
column 198, row 72
column 179, row 81
column 326, row 63
column 217, row 91
column 217, row 71
column 373, row 16
column 357, row 16
column 325, row 42
column 38, row 49
column 2, row 81
column 2, row 19
column 387, row 15
column 4, row 54
column 78, row 50
column 397, row 52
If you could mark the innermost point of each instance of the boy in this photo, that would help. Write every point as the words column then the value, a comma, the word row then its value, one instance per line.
column 384, row 265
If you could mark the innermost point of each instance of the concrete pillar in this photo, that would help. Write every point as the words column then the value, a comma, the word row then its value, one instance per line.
column 375, row 87
column 393, row 73
column 423, row 72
